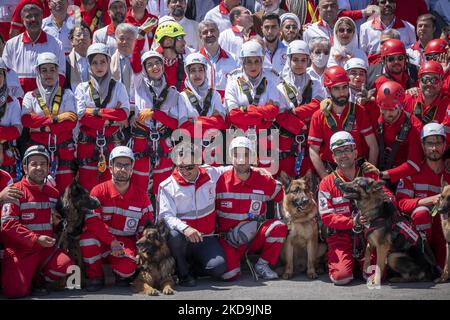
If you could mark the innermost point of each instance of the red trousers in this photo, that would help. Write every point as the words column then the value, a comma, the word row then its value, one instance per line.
column 432, row 228
column 19, row 269
column 64, row 173
column 95, row 254
column 159, row 173
column 88, row 174
column 268, row 241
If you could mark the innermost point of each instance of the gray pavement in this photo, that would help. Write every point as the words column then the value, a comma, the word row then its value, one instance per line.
column 298, row 288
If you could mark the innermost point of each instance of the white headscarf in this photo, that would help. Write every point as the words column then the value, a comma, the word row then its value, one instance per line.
column 48, row 93
column 341, row 49
column 101, row 84
column 297, row 81
column 254, row 82
column 202, row 90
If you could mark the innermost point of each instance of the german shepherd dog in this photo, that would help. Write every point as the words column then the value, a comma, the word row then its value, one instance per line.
column 73, row 205
column 390, row 234
column 300, row 212
column 443, row 209
column 155, row 263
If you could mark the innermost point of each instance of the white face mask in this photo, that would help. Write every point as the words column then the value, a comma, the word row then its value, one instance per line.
column 320, row 60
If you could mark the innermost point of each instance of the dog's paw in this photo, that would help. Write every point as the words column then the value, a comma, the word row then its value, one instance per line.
column 168, row 290
column 312, row 274
column 152, row 292
column 287, row 275
column 442, row 279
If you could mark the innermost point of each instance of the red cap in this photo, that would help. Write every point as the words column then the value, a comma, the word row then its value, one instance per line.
column 391, row 47
column 335, row 75
column 431, row 67
column 436, row 46
column 390, row 94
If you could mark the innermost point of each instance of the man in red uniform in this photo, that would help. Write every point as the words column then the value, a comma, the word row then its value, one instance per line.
column 111, row 231
column 430, row 104
column 399, row 133
column 396, row 68
column 337, row 212
column 27, row 231
column 417, row 194
column 242, row 194
column 336, row 114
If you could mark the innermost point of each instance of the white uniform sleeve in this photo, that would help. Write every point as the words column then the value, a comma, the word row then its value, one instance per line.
column 69, row 103
column 14, row 87
column 80, row 100
column 231, row 101
column 122, row 97
column 217, row 103
column 27, row 103
column 168, row 210
column 16, row 119
column 216, row 172
column 364, row 38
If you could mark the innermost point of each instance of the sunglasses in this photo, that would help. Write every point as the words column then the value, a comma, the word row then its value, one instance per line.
column 433, row 80
column 433, row 56
column 291, row 26
column 319, row 52
column 345, row 30
column 399, row 58
column 383, row 2
column 189, row 167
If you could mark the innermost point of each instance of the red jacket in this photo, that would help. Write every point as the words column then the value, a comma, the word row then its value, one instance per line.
column 23, row 222
column 334, row 209
column 421, row 185
column 409, row 155
column 320, row 132
column 260, row 117
column 441, row 102
column 119, row 215
column 235, row 199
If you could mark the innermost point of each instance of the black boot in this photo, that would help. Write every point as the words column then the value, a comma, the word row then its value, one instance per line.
column 94, row 284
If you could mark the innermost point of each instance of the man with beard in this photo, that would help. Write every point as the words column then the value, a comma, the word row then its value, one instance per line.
column 222, row 61
column 418, row 194
column 20, row 53
column 177, row 10
column 275, row 49
column 117, row 9
column 393, row 66
column 242, row 195
column 111, row 231
column 290, row 28
column 398, row 131
column 28, row 231
column 430, row 103
column 336, row 114
column 336, row 211
column 369, row 35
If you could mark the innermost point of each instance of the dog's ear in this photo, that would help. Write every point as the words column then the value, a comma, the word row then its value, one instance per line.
column 148, row 224
column 163, row 230
column 285, row 180
column 378, row 185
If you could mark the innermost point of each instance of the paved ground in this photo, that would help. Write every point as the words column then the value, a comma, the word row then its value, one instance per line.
column 298, row 288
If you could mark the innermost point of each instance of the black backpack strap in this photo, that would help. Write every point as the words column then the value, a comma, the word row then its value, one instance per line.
column 180, row 72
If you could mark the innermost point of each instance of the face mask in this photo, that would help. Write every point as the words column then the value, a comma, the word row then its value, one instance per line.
column 320, row 60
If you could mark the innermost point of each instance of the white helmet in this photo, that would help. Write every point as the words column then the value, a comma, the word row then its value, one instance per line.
column 241, row 142
column 195, row 58
column 355, row 63
column 3, row 64
column 251, row 49
column 298, row 46
column 432, row 129
column 340, row 139
column 46, row 57
column 98, row 48
column 121, row 151
column 151, row 54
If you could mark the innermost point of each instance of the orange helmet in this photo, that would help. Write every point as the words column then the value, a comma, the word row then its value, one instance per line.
column 390, row 94
column 391, row 47
column 436, row 46
column 431, row 67
column 335, row 75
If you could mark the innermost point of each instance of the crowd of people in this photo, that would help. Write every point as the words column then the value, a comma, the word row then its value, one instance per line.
column 107, row 92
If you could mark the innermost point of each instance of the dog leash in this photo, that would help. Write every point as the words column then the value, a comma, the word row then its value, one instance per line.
column 55, row 248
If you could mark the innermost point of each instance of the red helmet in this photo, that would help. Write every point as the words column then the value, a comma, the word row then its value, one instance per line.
column 335, row 75
column 390, row 94
column 436, row 46
column 431, row 67
column 391, row 47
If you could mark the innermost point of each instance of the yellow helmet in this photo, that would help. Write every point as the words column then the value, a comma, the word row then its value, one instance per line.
column 170, row 29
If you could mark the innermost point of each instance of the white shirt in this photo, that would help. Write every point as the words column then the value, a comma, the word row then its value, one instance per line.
column 371, row 31
column 83, row 67
column 50, row 26
column 30, row 104
column 318, row 29
column 12, row 116
column 188, row 110
column 223, row 65
column 319, row 80
column 278, row 59
column 20, row 54
column 235, row 97
column 101, row 35
column 158, row 8
column 14, row 88
column 222, row 20
column 231, row 40
column 285, row 102
column 83, row 98
column 191, row 28
column 176, row 201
